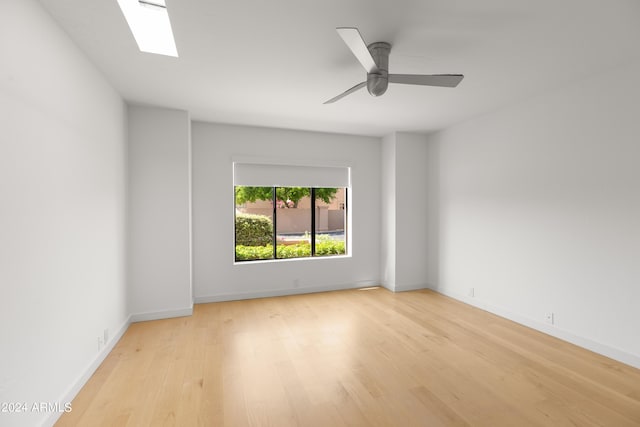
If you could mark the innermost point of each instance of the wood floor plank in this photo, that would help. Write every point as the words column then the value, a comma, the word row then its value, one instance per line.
column 352, row 358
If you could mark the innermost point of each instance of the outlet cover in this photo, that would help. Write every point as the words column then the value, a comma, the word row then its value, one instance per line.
column 548, row 317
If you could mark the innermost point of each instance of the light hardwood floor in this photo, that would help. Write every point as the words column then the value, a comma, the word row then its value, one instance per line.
column 361, row 358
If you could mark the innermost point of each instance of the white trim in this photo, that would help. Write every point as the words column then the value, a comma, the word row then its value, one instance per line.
column 283, row 292
column 602, row 349
column 389, row 286
column 394, row 287
column 158, row 315
column 405, row 288
column 80, row 382
column 300, row 259
column 190, row 206
column 291, row 161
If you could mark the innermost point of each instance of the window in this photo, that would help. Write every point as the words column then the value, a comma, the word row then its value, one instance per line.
column 289, row 221
column 150, row 25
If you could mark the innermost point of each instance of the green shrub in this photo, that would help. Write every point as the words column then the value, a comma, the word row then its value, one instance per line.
column 248, row 253
column 330, row 247
column 300, row 250
column 253, row 230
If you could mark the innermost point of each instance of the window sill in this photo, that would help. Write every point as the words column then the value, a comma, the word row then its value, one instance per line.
column 304, row 259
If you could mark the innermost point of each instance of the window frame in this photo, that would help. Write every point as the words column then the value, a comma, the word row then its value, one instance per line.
column 313, row 233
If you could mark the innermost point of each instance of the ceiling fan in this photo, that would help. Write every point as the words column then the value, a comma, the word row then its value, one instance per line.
column 375, row 59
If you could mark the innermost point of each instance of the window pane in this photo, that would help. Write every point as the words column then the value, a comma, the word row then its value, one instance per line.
column 331, row 221
column 254, row 223
column 293, row 222
column 288, row 218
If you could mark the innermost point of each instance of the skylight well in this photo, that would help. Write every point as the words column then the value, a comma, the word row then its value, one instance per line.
column 150, row 25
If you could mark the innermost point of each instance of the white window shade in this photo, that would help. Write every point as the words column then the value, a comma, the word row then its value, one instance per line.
column 271, row 175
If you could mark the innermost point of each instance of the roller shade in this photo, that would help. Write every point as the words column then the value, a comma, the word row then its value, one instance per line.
column 271, row 175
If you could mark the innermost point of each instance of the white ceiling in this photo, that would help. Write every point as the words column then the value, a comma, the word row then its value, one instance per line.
column 273, row 63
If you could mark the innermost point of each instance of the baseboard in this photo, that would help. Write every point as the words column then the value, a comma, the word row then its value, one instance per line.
column 389, row 286
column 235, row 296
column 158, row 315
column 596, row 347
column 393, row 287
column 88, row 372
column 405, row 288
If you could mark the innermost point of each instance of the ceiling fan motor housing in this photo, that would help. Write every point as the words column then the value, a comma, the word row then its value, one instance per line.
column 377, row 82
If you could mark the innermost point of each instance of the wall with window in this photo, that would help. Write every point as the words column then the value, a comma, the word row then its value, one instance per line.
column 216, row 275
column 537, row 208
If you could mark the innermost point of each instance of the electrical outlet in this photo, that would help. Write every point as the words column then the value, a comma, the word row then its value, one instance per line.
column 548, row 317
column 472, row 292
column 105, row 336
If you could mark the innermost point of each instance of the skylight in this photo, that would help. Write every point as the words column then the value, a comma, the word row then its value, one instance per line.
column 150, row 25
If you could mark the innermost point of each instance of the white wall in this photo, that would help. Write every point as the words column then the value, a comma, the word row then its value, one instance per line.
column 538, row 209
column 159, row 216
column 215, row 275
column 404, row 207
column 62, row 213
column 411, row 209
column 388, row 210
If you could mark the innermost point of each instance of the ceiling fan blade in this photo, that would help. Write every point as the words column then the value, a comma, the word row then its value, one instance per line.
column 355, row 42
column 347, row 92
column 442, row 80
